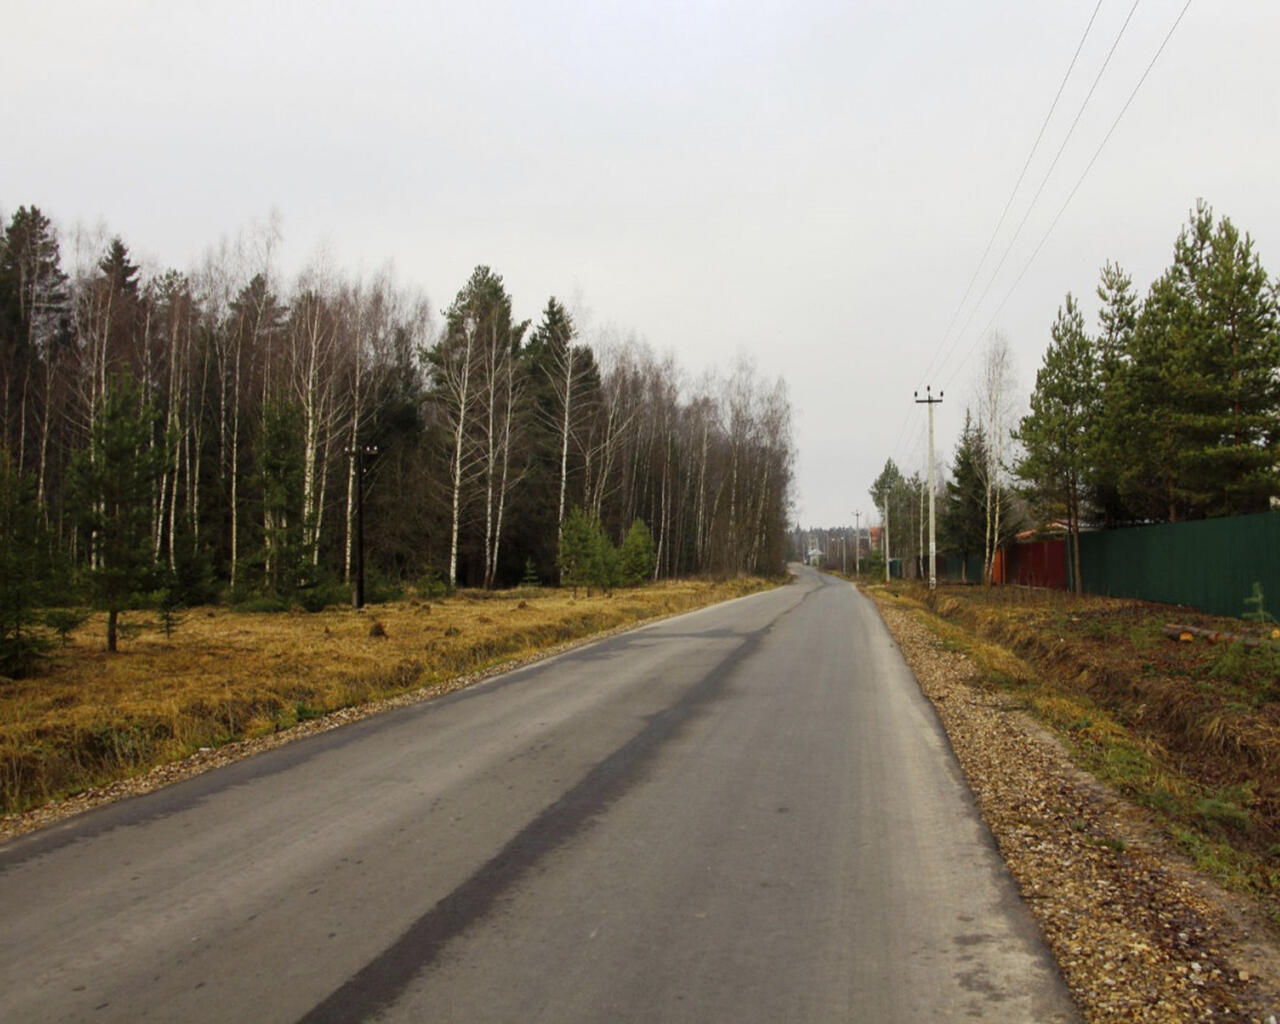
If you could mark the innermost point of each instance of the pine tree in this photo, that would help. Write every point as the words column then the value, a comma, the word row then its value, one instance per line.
column 1196, row 409
column 1055, row 435
column 1225, row 328
column 1117, row 318
column 1141, row 411
column 903, row 498
column 888, row 486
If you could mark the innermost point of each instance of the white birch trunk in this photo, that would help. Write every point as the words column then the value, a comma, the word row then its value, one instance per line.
column 462, row 395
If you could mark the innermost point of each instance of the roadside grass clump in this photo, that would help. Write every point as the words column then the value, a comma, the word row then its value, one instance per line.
column 229, row 673
column 1221, row 811
column 1255, row 669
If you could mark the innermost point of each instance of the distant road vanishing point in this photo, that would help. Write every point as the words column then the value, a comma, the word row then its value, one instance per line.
column 746, row 813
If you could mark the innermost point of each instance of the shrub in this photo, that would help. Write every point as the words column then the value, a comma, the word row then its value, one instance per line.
column 530, row 578
column 430, row 584
column 320, row 596
column 585, row 558
column 1255, row 605
column 635, row 559
column 64, row 620
column 263, row 604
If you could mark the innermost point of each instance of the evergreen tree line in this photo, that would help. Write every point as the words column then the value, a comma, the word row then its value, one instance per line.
column 1170, row 410
column 211, row 428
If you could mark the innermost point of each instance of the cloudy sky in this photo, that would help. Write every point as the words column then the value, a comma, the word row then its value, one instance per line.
column 810, row 184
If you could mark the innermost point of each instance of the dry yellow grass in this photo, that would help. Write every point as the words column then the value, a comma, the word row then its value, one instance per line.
column 223, row 675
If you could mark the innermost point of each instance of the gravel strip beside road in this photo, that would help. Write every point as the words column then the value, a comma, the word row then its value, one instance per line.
column 1138, row 936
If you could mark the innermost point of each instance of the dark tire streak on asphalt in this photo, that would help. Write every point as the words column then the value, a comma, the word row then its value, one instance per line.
column 380, row 982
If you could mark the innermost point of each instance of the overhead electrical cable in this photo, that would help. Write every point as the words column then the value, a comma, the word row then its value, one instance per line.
column 1016, row 186
column 1040, row 191
column 1098, row 152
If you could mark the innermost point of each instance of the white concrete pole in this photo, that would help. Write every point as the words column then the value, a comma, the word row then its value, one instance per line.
column 886, row 538
column 930, row 401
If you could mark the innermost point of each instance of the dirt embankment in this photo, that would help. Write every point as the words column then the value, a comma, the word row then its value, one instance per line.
column 1138, row 933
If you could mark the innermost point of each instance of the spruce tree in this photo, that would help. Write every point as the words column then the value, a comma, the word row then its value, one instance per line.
column 964, row 512
column 35, row 328
column 578, row 557
column 24, row 570
column 635, row 557
column 114, row 481
column 279, row 460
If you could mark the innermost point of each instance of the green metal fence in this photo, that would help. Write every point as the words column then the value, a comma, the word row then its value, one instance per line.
column 957, row 568
column 1210, row 564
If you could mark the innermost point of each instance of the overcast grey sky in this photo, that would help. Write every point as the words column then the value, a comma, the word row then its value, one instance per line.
column 809, row 183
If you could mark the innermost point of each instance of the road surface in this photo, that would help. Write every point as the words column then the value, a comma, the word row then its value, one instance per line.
column 747, row 813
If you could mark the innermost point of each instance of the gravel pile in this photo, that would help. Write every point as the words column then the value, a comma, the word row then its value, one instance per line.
column 1137, row 934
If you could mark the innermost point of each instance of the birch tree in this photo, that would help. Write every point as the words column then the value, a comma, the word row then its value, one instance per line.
column 994, row 414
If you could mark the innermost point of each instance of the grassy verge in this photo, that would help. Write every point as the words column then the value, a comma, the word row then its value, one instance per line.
column 1190, row 730
column 92, row 718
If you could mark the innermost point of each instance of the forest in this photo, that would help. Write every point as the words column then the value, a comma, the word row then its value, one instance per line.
column 219, row 434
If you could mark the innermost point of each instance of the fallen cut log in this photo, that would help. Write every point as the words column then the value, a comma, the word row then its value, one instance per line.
column 1188, row 633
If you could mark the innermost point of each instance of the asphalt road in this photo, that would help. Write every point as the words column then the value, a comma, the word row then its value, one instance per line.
column 748, row 813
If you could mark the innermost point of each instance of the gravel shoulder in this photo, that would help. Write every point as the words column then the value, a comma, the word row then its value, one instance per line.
column 1138, row 934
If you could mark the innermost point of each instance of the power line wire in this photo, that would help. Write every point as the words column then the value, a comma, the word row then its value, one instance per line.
column 1098, row 152
column 1017, row 185
column 1043, row 182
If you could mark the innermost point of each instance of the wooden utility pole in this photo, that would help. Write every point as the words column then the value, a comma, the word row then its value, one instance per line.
column 930, row 401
